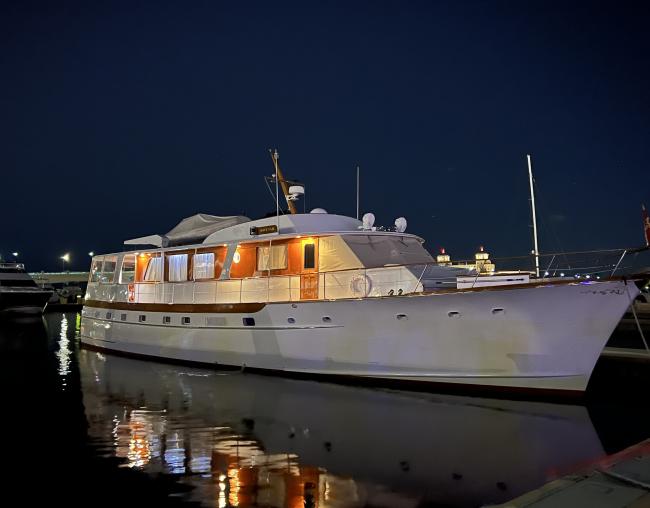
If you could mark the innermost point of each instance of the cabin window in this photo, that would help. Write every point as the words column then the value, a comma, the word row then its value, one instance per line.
column 127, row 274
column 177, row 267
column 154, row 270
column 272, row 257
column 204, row 266
column 310, row 256
column 108, row 269
column 96, row 269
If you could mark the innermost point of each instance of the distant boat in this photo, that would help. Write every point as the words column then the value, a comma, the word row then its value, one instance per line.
column 19, row 292
column 323, row 294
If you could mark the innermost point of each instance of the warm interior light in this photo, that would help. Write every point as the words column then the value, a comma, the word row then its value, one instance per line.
column 237, row 257
column 308, row 241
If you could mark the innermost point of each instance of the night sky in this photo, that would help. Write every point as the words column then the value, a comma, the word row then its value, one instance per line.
column 118, row 119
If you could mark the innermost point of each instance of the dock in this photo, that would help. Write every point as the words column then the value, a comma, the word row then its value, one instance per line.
column 617, row 481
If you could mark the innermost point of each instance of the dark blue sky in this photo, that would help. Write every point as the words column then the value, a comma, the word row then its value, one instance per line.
column 118, row 119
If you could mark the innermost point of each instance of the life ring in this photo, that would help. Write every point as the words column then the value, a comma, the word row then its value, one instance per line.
column 131, row 293
column 361, row 285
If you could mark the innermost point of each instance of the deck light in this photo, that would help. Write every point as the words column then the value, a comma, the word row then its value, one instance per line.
column 91, row 253
column 14, row 254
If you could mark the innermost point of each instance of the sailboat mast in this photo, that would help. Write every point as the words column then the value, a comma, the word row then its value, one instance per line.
column 532, row 204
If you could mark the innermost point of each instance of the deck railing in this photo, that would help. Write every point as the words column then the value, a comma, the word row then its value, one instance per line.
column 360, row 282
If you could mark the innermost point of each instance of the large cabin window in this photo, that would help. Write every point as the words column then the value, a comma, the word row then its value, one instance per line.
column 204, row 266
column 96, row 269
column 127, row 274
column 272, row 257
column 108, row 270
column 177, row 264
column 153, row 271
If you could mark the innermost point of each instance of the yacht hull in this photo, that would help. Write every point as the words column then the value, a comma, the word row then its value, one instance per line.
column 542, row 337
column 23, row 300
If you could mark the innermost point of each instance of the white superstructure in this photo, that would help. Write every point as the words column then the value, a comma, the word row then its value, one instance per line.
column 328, row 294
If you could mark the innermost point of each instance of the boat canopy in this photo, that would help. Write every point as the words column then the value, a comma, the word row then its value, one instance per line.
column 190, row 230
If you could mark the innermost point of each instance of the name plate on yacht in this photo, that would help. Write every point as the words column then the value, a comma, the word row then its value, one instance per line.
column 264, row 230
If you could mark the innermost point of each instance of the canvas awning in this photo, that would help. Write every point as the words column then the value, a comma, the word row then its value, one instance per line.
column 190, row 230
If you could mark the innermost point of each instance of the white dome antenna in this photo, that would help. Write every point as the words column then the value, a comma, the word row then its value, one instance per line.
column 318, row 210
column 400, row 224
column 368, row 220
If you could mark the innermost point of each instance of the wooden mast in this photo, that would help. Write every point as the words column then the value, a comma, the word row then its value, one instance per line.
column 280, row 178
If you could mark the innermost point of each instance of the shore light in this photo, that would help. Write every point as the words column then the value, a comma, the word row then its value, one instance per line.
column 65, row 259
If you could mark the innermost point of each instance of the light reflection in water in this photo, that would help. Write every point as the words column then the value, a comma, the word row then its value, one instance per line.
column 245, row 441
column 64, row 352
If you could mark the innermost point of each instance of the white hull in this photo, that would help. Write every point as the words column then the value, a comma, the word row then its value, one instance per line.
column 541, row 337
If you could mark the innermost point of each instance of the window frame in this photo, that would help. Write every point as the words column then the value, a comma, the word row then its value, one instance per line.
column 124, row 260
column 283, row 246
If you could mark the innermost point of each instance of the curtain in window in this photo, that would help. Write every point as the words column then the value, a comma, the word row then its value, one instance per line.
column 272, row 258
column 153, row 269
column 204, row 266
column 177, row 267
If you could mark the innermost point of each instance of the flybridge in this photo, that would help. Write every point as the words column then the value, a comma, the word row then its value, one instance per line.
column 208, row 229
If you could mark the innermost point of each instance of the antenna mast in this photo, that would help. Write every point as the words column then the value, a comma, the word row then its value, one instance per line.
column 357, row 192
column 280, row 179
column 532, row 205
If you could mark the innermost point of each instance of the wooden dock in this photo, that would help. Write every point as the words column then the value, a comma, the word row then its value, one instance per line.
column 617, row 481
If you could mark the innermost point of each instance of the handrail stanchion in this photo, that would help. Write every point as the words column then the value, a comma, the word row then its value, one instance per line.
column 548, row 268
column 420, row 279
column 619, row 262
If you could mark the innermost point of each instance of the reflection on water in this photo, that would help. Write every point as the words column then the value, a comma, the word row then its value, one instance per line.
column 248, row 440
column 243, row 440
column 63, row 354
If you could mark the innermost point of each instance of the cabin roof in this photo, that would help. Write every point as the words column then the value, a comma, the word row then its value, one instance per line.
column 290, row 226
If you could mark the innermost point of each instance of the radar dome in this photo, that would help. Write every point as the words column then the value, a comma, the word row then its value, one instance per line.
column 400, row 224
column 368, row 220
column 318, row 210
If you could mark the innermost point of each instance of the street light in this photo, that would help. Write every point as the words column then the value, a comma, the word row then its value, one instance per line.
column 65, row 259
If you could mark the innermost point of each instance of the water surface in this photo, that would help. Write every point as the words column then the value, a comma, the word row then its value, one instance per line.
column 126, row 432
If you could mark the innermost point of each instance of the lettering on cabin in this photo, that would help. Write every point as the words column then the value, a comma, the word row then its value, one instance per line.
column 264, row 230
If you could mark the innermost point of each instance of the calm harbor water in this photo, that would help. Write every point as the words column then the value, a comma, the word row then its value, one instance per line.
column 114, row 431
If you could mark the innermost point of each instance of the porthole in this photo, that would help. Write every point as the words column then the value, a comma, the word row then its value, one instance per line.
column 248, row 321
column 453, row 314
column 123, row 317
column 401, row 317
column 142, row 318
column 327, row 319
column 109, row 315
column 186, row 320
column 167, row 320
column 498, row 311
column 291, row 320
